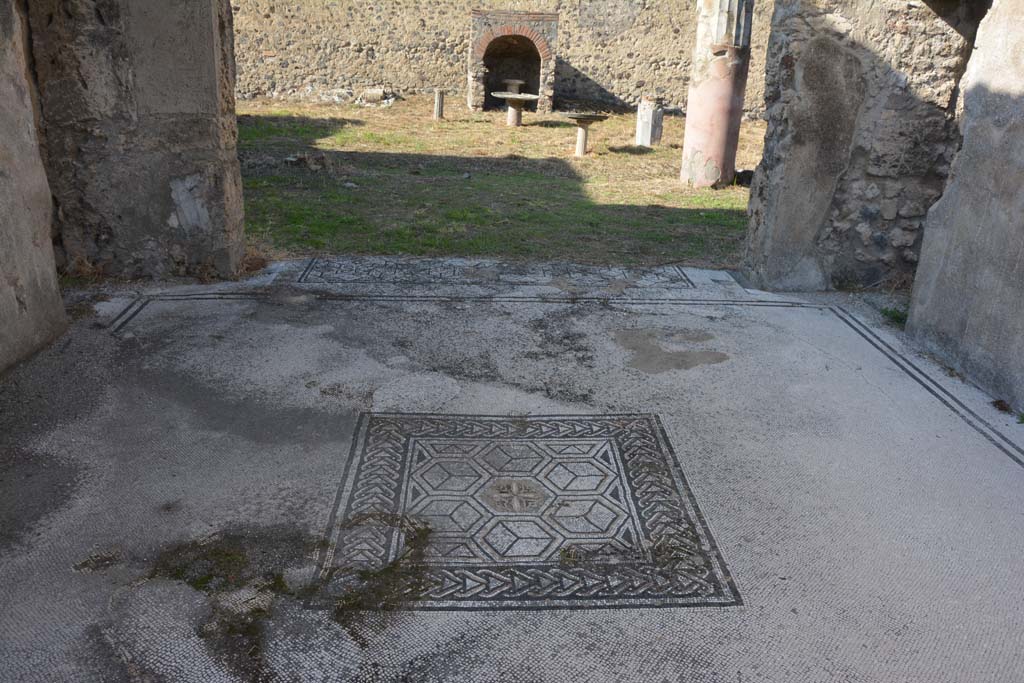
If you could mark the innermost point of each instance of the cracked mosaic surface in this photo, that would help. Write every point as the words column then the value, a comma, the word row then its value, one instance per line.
column 374, row 270
column 533, row 512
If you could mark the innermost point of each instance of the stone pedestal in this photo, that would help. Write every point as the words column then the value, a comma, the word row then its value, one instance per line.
column 582, row 133
column 438, row 105
column 515, row 114
column 650, row 120
column 714, row 108
column 583, row 123
column 516, row 102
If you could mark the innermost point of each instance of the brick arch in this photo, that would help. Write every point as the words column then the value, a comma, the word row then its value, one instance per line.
column 491, row 34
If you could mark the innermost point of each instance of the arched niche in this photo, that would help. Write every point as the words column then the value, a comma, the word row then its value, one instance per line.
column 510, row 57
column 517, row 45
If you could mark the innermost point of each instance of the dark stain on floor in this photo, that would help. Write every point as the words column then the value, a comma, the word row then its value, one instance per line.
column 651, row 357
column 32, row 486
column 217, row 408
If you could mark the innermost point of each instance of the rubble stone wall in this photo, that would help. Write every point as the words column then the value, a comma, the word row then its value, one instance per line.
column 137, row 104
column 31, row 312
column 861, row 106
column 609, row 52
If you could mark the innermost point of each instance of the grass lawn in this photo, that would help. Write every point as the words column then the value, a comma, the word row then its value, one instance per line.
column 348, row 179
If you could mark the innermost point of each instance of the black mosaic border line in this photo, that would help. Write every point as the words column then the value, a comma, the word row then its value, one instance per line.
column 728, row 597
column 958, row 407
column 987, row 430
column 683, row 283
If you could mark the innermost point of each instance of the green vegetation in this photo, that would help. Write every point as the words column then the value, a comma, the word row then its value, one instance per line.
column 208, row 568
column 281, row 127
column 896, row 316
column 390, row 181
column 526, row 215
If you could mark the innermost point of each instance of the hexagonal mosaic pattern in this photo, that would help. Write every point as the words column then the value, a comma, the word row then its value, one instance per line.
column 535, row 512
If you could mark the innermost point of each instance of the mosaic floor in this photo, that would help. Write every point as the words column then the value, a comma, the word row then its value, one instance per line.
column 391, row 270
column 532, row 512
column 381, row 470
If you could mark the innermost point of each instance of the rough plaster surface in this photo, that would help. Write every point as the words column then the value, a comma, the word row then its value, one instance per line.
column 872, row 534
column 610, row 52
column 31, row 311
column 968, row 301
column 138, row 109
column 861, row 100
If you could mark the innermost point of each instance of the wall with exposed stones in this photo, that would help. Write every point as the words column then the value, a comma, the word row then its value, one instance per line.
column 31, row 312
column 137, row 102
column 968, row 304
column 861, row 104
column 609, row 52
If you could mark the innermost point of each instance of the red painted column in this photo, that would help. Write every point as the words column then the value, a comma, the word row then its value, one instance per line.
column 714, row 106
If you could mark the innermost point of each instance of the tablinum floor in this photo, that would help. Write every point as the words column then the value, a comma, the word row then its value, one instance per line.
column 461, row 470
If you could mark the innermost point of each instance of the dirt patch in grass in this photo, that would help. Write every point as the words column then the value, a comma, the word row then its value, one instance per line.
column 345, row 179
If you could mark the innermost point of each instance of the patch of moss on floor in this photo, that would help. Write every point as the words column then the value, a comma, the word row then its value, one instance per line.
column 234, row 559
column 215, row 565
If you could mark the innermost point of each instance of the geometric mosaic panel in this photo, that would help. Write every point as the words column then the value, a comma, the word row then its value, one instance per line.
column 524, row 512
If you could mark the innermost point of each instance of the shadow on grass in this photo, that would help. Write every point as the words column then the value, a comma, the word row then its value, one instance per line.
column 287, row 129
column 635, row 150
column 549, row 124
column 326, row 201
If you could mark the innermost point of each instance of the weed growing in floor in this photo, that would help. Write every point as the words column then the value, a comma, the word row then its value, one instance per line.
column 895, row 316
column 1004, row 407
column 388, row 588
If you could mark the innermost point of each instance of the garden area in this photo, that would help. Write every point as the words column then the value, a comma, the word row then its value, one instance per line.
column 390, row 180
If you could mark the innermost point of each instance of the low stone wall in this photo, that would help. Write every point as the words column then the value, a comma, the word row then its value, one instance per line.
column 140, row 139
column 861, row 104
column 31, row 312
column 968, row 304
column 610, row 52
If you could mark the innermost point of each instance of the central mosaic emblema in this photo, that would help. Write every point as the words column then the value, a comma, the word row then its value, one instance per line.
column 531, row 512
